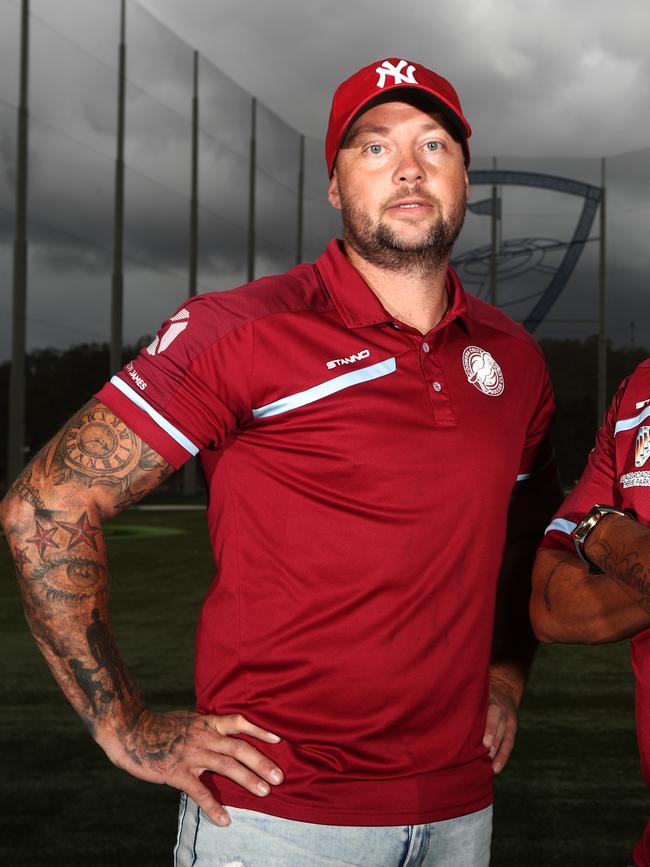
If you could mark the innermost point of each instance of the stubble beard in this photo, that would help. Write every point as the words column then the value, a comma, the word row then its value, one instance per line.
column 380, row 245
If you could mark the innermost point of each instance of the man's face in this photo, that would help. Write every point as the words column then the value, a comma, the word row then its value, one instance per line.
column 401, row 186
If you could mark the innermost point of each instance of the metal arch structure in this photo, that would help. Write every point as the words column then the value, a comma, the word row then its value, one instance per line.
column 592, row 197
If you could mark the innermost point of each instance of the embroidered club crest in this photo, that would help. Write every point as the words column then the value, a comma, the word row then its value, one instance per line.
column 482, row 371
column 642, row 446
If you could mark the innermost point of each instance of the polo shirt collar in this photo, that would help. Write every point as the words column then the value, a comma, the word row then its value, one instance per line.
column 358, row 305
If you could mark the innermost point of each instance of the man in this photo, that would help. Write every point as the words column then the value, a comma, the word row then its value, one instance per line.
column 362, row 424
column 591, row 580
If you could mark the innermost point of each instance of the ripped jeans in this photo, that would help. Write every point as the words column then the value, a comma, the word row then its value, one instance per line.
column 257, row 840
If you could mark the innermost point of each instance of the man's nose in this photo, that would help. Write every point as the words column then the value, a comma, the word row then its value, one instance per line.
column 409, row 169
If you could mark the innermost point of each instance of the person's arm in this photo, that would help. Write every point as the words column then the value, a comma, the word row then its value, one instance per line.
column 573, row 605
column 52, row 518
column 514, row 643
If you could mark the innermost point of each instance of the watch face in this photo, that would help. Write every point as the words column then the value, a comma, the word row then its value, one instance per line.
column 102, row 444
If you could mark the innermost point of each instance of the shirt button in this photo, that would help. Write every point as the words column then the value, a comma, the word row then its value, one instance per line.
column 425, row 347
column 436, row 386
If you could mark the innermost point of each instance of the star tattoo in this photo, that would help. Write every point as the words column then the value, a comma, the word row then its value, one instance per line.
column 80, row 531
column 43, row 538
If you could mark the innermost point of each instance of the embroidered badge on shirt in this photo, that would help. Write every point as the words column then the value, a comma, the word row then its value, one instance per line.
column 483, row 371
column 642, row 446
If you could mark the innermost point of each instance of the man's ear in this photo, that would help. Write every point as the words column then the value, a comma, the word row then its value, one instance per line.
column 333, row 192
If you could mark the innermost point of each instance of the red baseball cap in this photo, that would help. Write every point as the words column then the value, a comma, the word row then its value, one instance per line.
column 357, row 94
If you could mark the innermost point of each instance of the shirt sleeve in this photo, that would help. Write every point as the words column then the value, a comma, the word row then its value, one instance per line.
column 537, row 457
column 190, row 388
column 597, row 484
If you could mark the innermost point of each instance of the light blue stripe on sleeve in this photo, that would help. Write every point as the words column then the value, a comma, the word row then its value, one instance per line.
column 562, row 525
column 627, row 423
column 324, row 389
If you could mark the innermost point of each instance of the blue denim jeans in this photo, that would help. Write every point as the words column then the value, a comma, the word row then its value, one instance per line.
column 257, row 840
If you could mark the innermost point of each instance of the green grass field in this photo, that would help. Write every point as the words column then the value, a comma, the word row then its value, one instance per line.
column 572, row 794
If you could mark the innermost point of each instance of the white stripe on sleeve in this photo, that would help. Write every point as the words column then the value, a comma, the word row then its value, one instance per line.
column 160, row 420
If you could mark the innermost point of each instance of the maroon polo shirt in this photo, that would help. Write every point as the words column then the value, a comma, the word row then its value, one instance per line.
column 359, row 476
column 618, row 474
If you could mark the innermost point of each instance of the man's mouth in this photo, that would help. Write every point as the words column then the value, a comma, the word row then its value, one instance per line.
column 410, row 205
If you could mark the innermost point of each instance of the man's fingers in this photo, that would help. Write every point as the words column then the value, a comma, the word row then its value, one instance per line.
column 498, row 737
column 246, row 754
column 256, row 776
column 505, row 748
column 236, row 724
column 491, row 725
column 239, row 760
column 203, row 797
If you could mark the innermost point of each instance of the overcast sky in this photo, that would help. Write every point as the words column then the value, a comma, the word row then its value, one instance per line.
column 548, row 86
column 536, row 77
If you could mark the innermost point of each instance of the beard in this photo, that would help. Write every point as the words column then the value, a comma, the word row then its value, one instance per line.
column 380, row 245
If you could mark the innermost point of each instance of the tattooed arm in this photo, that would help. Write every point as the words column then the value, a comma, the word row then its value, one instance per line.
column 52, row 518
column 571, row 604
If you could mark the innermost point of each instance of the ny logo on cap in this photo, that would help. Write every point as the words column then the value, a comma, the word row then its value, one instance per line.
column 399, row 77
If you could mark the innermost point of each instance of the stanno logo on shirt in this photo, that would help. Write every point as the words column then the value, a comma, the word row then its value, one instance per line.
column 482, row 371
column 399, row 77
column 642, row 446
column 177, row 324
column 350, row 359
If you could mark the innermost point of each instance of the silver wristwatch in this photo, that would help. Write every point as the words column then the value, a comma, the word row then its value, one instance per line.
column 581, row 531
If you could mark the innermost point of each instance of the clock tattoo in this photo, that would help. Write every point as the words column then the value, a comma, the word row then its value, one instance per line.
column 96, row 448
column 99, row 442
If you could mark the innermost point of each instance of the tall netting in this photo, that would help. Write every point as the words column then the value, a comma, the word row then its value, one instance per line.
column 627, row 179
column 9, row 89
column 277, row 161
column 321, row 221
column 70, row 170
column 256, row 215
column 224, row 179
column 158, row 152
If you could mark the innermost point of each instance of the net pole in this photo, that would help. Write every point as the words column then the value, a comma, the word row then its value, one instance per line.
column 117, row 287
column 602, row 300
column 16, row 420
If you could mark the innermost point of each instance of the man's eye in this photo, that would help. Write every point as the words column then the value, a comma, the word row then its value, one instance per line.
column 433, row 145
column 375, row 149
